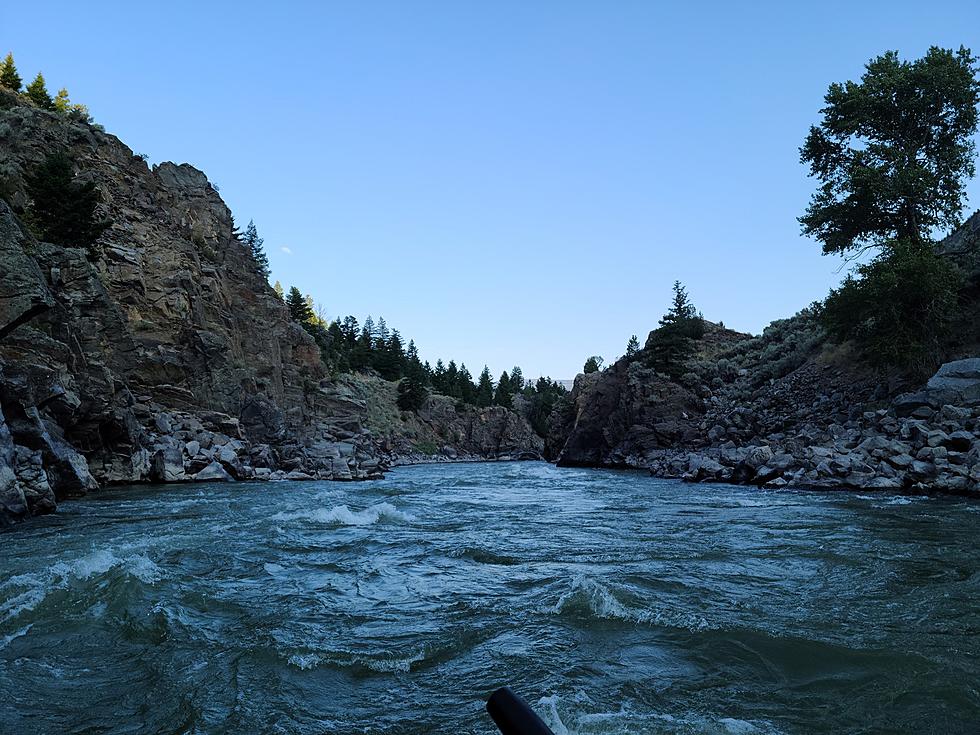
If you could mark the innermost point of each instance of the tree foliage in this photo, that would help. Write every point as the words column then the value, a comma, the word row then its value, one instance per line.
column 892, row 151
column 299, row 309
column 542, row 396
column 900, row 307
column 37, row 91
column 254, row 244
column 633, row 346
column 62, row 210
column 592, row 364
column 9, row 77
column 347, row 345
column 672, row 344
column 504, row 393
column 892, row 154
column 484, row 389
column 411, row 393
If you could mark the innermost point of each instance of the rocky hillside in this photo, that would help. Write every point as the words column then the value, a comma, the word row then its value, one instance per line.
column 787, row 407
column 171, row 358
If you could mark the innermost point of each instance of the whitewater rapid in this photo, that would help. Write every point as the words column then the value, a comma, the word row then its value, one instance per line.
column 613, row 602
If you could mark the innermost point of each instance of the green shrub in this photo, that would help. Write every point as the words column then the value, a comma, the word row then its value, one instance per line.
column 900, row 308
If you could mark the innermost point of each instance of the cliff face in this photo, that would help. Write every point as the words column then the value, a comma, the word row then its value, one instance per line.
column 169, row 359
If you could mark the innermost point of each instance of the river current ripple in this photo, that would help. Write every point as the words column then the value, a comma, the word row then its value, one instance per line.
column 613, row 602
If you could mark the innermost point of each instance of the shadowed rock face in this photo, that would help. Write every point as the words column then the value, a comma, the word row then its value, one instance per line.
column 169, row 359
column 619, row 415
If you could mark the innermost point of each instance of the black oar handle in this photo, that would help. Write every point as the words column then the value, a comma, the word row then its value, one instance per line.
column 513, row 716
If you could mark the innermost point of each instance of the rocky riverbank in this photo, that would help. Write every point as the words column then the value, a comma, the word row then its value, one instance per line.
column 924, row 442
column 783, row 409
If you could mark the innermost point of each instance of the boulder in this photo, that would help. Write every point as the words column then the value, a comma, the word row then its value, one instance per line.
column 959, row 441
column 167, row 464
column 214, row 472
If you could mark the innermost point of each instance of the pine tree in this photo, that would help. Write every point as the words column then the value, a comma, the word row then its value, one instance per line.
column 9, row 77
column 38, row 93
column 63, row 211
column 390, row 356
column 314, row 319
column 633, row 346
column 61, row 102
column 411, row 393
column 593, row 365
column 382, row 333
column 351, row 330
column 254, row 243
column 672, row 343
column 464, row 386
column 299, row 310
column 362, row 353
column 516, row 379
column 278, row 289
column 484, row 389
column 503, row 396
column 439, row 378
column 453, row 385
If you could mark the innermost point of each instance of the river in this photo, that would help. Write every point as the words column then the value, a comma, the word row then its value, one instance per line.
column 612, row 601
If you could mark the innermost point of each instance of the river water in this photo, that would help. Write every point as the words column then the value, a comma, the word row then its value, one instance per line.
column 613, row 602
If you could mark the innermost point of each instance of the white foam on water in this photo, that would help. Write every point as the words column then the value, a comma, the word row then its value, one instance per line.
column 571, row 720
column 37, row 585
column 343, row 516
column 5, row 640
column 737, row 727
column 899, row 500
column 596, row 599
column 308, row 661
column 304, row 661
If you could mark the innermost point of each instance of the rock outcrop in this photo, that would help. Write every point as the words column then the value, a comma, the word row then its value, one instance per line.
column 783, row 409
column 170, row 358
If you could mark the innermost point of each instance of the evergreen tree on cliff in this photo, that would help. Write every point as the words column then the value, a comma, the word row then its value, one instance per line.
column 37, row 91
column 892, row 154
column 9, row 77
column 484, row 389
column 632, row 347
column 411, row 393
column 464, row 385
column 504, row 395
column 390, row 356
column 299, row 310
column 592, row 365
column 254, row 243
column 62, row 210
column 362, row 354
column 61, row 102
column 516, row 379
column 672, row 343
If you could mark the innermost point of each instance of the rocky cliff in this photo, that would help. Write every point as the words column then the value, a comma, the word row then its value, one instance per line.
column 787, row 407
column 170, row 358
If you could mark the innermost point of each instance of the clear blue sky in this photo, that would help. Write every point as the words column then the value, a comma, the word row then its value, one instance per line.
column 506, row 182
